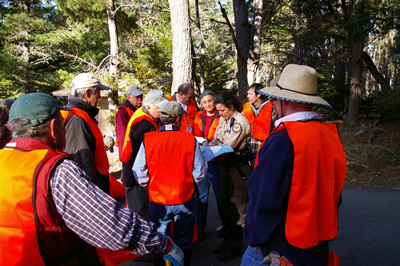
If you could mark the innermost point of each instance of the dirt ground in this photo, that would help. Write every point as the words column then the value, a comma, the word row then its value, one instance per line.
column 372, row 149
column 373, row 153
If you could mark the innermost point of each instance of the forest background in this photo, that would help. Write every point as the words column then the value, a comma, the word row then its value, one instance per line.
column 217, row 45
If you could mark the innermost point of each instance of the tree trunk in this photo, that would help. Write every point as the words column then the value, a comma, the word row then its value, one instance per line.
column 254, row 58
column 376, row 74
column 181, row 45
column 356, row 70
column 201, row 41
column 114, row 48
column 243, row 44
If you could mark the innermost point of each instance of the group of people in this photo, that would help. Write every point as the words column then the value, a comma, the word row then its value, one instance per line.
column 279, row 191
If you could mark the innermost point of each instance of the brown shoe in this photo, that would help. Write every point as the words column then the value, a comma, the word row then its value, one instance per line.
column 221, row 247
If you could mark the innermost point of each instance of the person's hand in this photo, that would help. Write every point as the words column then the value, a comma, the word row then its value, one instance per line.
column 174, row 255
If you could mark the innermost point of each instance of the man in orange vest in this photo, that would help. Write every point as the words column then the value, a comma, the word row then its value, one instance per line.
column 51, row 212
column 295, row 188
column 170, row 164
column 205, row 124
column 261, row 114
column 134, row 98
column 184, row 96
column 145, row 119
column 85, row 141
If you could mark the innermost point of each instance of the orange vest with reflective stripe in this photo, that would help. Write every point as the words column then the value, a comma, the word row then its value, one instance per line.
column 260, row 125
column 169, row 157
column 100, row 154
column 31, row 230
column 130, row 113
column 188, row 117
column 319, row 173
column 135, row 118
column 199, row 122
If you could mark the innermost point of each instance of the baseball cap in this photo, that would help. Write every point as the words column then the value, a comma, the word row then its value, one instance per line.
column 86, row 80
column 155, row 97
column 36, row 107
column 135, row 91
column 170, row 109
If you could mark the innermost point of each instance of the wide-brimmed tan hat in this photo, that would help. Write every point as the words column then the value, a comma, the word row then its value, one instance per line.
column 297, row 83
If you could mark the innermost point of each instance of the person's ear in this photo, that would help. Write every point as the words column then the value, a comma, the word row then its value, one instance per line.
column 53, row 130
column 88, row 93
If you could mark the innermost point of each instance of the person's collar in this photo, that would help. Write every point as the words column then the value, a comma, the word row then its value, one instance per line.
column 128, row 103
column 299, row 116
column 79, row 103
column 169, row 128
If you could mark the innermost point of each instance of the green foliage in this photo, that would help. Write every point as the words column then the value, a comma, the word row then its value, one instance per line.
column 388, row 108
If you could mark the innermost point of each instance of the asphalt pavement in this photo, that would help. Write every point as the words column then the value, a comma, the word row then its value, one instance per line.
column 368, row 234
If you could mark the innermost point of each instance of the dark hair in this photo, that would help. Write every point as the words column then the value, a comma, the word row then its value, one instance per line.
column 207, row 92
column 257, row 87
column 5, row 134
column 229, row 100
column 185, row 88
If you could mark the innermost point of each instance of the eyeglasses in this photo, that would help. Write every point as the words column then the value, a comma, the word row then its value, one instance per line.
column 207, row 102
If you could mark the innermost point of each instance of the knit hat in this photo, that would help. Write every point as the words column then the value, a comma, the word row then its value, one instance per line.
column 297, row 83
column 36, row 107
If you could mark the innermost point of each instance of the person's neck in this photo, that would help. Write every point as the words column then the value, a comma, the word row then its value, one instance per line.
column 257, row 103
column 211, row 113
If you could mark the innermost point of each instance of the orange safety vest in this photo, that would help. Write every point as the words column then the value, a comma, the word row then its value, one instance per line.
column 260, row 125
column 130, row 113
column 100, row 154
column 199, row 123
column 170, row 183
column 138, row 116
column 31, row 230
column 189, row 115
column 317, row 182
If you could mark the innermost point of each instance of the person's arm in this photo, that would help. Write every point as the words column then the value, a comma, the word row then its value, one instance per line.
column 121, row 122
column 199, row 165
column 81, row 144
column 139, row 169
column 97, row 218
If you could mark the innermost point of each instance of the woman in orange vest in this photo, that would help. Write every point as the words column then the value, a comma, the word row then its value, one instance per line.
column 205, row 124
column 295, row 188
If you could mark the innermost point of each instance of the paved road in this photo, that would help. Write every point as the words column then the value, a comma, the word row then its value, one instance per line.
column 369, row 231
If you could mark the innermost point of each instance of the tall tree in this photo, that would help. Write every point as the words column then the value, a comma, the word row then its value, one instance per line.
column 181, row 44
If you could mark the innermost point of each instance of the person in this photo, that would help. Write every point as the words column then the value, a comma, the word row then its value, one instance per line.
column 171, row 185
column 145, row 119
column 7, row 103
column 5, row 134
column 52, row 213
column 134, row 98
column 184, row 96
column 234, row 130
column 205, row 124
column 261, row 114
column 85, row 141
column 295, row 188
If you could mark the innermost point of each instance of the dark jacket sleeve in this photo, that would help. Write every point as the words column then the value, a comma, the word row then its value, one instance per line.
column 81, row 144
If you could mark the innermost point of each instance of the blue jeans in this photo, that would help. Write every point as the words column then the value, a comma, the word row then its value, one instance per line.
column 252, row 257
column 183, row 217
column 201, row 195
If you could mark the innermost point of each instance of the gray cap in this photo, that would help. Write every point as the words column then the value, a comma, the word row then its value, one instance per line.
column 135, row 91
column 85, row 80
column 155, row 97
column 170, row 109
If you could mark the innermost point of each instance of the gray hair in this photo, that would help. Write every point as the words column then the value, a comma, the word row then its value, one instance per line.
column 35, row 132
column 207, row 92
column 79, row 93
column 169, row 120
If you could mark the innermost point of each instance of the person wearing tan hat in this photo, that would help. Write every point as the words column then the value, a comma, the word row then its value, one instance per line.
column 295, row 188
column 145, row 119
column 170, row 164
column 134, row 98
column 51, row 212
column 84, row 139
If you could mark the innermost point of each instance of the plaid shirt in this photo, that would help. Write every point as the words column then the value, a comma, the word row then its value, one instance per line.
column 97, row 218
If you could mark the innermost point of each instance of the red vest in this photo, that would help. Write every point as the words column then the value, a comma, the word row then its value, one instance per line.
column 170, row 183
column 199, row 123
column 188, row 117
column 100, row 154
column 260, row 125
column 130, row 113
column 31, row 230
column 138, row 116
column 317, row 182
